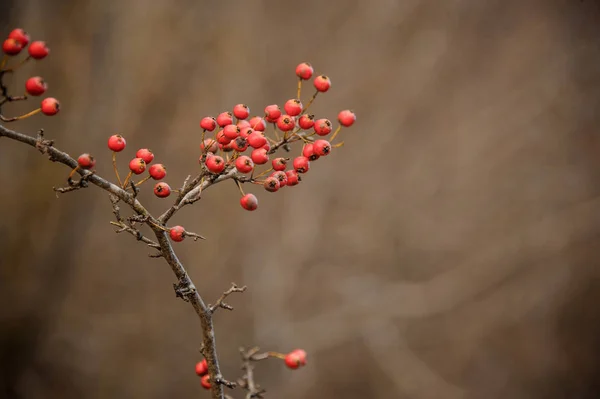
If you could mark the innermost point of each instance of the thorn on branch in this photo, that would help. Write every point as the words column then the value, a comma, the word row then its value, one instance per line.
column 220, row 302
column 135, row 189
column 156, row 255
column 136, row 233
column 222, row 381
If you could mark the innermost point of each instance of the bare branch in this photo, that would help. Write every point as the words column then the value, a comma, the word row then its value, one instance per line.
column 220, row 303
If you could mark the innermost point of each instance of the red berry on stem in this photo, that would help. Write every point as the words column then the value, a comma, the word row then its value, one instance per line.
column 292, row 177
column 225, row 118
column 295, row 359
column 272, row 112
column 226, row 147
column 158, row 171
column 306, row 121
column 38, row 50
column 241, row 111
column 322, row 83
column 86, row 161
column 245, row 132
column 205, row 381
column 50, row 106
column 177, row 233
column 202, row 367
column 249, row 202
column 321, row 147
column 285, row 123
column 244, row 164
column 12, row 47
column 221, row 138
column 242, row 124
column 281, row 177
column 301, row 164
column 116, row 143
column 346, row 118
column 258, row 123
column 267, row 147
column 323, row 127
column 271, row 184
column 137, row 166
column 162, row 190
column 309, row 152
column 19, row 35
column 240, row 144
column 35, row 86
column 279, row 163
column 304, row 71
column 215, row 164
column 293, row 107
column 257, row 140
column 231, row 131
column 209, row 145
column 145, row 154
column 208, row 123
column 259, row 156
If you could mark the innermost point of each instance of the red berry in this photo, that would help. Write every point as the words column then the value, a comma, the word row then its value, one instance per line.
column 38, row 50
column 162, row 190
column 209, row 145
column 249, row 202
column 231, row 131
column 19, row 35
column 301, row 164
column 295, row 359
column 281, row 177
column 225, row 118
column 292, row 177
column 35, row 86
column 177, row 233
column 137, row 166
column 86, row 161
column 205, row 381
column 293, row 107
column 245, row 132
column 322, row 83
column 242, row 124
column 272, row 112
column 346, row 118
column 226, row 147
column 241, row 111
column 258, row 123
column 309, row 152
column 50, row 106
column 321, row 147
column 259, row 156
column 202, row 367
column 145, row 154
column 208, row 123
column 285, row 123
column 215, row 164
column 323, row 127
column 257, row 140
column 12, row 47
column 271, row 184
column 267, row 147
column 279, row 163
column 116, row 143
column 158, row 171
column 304, row 71
column 244, row 164
column 240, row 144
column 221, row 138
column 306, row 121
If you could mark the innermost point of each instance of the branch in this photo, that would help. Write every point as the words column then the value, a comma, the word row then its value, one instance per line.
column 220, row 303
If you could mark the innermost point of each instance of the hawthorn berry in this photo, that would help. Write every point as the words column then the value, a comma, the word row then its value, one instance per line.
column 86, row 161
column 272, row 112
column 116, row 143
column 258, row 123
column 38, row 50
column 244, row 164
column 202, row 367
column 309, row 152
column 19, row 35
column 245, row 132
column 271, row 184
column 322, row 83
column 137, row 166
column 208, row 123
column 215, row 164
column 11, row 46
column 304, row 71
column 209, row 145
column 293, row 107
column 301, row 164
column 292, row 177
column 231, row 131
column 162, row 190
column 321, row 147
column 281, row 177
column 221, row 138
column 35, row 86
column 346, row 118
column 267, row 147
column 145, row 154
column 50, row 106
column 226, row 147
column 177, row 233
column 249, row 202
column 205, row 381
column 240, row 144
column 257, row 140
column 225, row 118
column 259, row 156
column 285, row 123
column 158, row 171
column 241, row 111
column 242, row 124
column 323, row 127
column 279, row 163
column 295, row 359
column 306, row 121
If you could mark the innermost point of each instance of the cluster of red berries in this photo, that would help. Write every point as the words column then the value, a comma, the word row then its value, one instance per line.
column 13, row 45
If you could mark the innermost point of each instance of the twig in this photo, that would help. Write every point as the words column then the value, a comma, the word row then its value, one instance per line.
column 220, row 303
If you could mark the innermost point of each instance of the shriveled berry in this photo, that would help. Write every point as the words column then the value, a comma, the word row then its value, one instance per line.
column 295, row 359
column 249, row 202
column 145, row 154
column 226, row 147
column 257, row 140
column 285, row 123
column 271, row 184
column 116, row 143
column 304, row 71
column 240, row 144
column 222, row 139
column 19, row 35
column 158, row 171
column 86, row 161
column 35, row 86
column 202, row 367
column 137, row 166
column 244, row 164
column 259, row 156
column 38, row 50
column 322, row 83
column 50, row 106
column 11, row 46
column 323, row 127
column 162, row 190
column 215, row 164
column 293, row 107
column 272, row 113
column 245, row 132
column 208, row 123
column 205, row 381
column 309, row 152
column 346, row 118
column 292, row 177
column 281, row 177
column 242, row 124
column 209, row 145
column 321, row 147
column 306, row 121
column 231, row 131
column 241, row 111
column 279, row 163
column 258, row 123
column 177, row 233
column 301, row 164
column 225, row 118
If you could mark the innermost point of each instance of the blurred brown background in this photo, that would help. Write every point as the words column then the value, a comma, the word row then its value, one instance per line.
column 449, row 250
